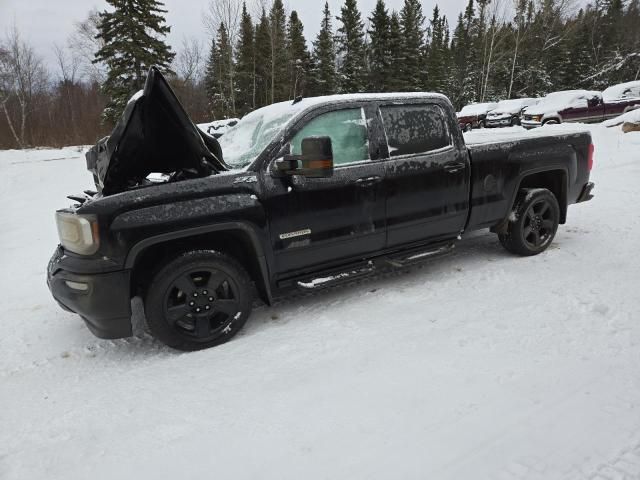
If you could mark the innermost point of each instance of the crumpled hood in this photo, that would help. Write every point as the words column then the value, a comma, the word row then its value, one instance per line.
column 154, row 135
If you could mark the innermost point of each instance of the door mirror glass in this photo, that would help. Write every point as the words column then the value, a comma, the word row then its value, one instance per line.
column 317, row 157
column 316, row 160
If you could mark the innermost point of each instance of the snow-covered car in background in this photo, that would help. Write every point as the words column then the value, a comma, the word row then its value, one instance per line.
column 621, row 98
column 219, row 127
column 565, row 106
column 508, row 112
column 474, row 115
column 583, row 105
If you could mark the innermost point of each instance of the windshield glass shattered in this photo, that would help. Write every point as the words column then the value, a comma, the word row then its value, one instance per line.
column 242, row 144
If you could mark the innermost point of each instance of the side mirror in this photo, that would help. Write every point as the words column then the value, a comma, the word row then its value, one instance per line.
column 317, row 157
column 316, row 160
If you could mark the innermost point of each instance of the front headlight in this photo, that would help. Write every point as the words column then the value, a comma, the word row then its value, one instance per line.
column 78, row 233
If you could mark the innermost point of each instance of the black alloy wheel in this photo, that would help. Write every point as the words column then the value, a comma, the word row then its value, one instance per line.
column 533, row 223
column 201, row 302
column 198, row 300
column 540, row 224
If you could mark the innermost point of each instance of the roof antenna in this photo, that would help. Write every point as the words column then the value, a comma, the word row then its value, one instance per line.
column 297, row 100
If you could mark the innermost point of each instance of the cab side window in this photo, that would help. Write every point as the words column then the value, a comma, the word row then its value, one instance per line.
column 347, row 130
column 414, row 129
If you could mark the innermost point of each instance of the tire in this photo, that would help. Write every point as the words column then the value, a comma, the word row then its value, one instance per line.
column 481, row 124
column 467, row 127
column 533, row 222
column 198, row 300
column 551, row 122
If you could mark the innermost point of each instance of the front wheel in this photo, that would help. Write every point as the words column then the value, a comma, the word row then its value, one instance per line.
column 533, row 222
column 198, row 300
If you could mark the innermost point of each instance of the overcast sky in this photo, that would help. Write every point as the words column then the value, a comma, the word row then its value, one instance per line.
column 45, row 22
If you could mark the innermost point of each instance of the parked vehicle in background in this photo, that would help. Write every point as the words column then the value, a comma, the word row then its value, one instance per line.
column 621, row 98
column 565, row 106
column 474, row 115
column 219, row 127
column 508, row 112
column 582, row 106
column 299, row 195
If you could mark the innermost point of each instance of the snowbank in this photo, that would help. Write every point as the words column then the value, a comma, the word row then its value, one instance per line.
column 480, row 365
column 632, row 117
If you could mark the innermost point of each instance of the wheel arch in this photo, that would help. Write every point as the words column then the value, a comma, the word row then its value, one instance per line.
column 555, row 180
column 236, row 239
column 551, row 118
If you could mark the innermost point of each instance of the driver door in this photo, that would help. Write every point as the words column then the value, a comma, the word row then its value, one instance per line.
column 318, row 222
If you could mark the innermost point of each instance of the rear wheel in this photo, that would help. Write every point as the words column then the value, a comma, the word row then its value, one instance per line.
column 533, row 223
column 199, row 300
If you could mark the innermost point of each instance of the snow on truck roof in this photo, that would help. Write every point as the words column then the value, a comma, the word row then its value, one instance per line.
column 294, row 107
column 622, row 91
column 261, row 126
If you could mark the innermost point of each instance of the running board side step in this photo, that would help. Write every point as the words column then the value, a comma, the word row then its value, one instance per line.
column 404, row 259
column 415, row 257
column 337, row 278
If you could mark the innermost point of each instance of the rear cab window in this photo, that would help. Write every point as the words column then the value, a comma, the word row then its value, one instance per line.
column 414, row 128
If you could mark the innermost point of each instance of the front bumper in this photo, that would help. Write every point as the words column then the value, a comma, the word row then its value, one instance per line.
column 497, row 122
column 102, row 299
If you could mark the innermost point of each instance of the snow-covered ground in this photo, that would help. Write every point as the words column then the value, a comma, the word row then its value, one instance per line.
column 480, row 365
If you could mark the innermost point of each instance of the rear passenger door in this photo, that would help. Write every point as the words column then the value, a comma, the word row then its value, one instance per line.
column 426, row 176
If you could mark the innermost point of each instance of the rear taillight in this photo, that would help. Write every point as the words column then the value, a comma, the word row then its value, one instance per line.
column 590, row 158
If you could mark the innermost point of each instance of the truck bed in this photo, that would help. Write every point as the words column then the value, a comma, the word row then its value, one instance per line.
column 501, row 159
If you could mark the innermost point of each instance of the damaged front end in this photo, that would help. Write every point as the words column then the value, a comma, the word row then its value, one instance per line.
column 153, row 136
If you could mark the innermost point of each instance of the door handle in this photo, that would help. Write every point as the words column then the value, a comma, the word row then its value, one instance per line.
column 368, row 181
column 454, row 167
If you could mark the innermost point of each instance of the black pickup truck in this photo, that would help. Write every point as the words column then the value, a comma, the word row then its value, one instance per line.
column 297, row 196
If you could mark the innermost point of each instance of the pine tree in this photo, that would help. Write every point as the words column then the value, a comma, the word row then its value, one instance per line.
column 380, row 54
column 464, row 59
column 220, row 89
column 133, row 42
column 263, row 61
column 411, row 58
column 299, row 60
column 437, row 57
column 210, row 78
column 278, row 42
column 323, row 81
column 394, row 81
column 245, row 65
column 351, row 49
